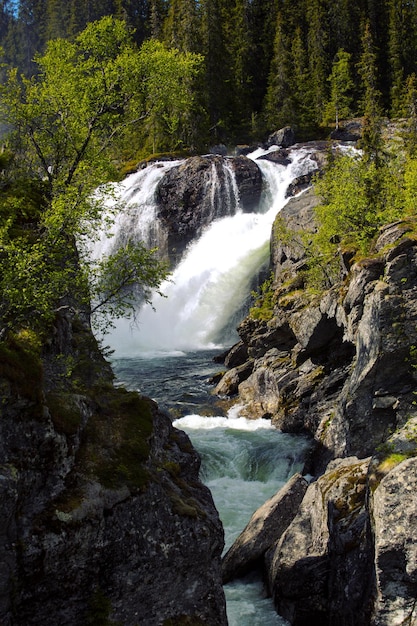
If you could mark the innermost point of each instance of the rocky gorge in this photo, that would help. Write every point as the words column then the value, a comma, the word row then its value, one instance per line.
column 105, row 519
column 336, row 545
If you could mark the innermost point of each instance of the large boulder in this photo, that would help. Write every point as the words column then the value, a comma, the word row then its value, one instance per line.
column 320, row 571
column 394, row 515
column 264, row 529
column 201, row 189
column 284, row 137
column 103, row 516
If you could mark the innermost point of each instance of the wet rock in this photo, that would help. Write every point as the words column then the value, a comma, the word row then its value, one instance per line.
column 284, row 137
column 199, row 190
column 264, row 529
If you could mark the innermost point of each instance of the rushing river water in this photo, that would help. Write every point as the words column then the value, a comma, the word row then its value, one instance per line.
column 244, row 462
column 169, row 356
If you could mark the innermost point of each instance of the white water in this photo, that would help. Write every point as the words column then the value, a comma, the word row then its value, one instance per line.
column 136, row 219
column 213, row 281
column 244, row 462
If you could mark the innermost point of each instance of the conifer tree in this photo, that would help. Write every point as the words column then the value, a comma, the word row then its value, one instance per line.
column 263, row 18
column 279, row 109
column 304, row 117
column 341, row 84
column 240, row 51
column 181, row 27
column 317, row 54
column 410, row 135
column 371, row 108
column 217, row 66
column 157, row 15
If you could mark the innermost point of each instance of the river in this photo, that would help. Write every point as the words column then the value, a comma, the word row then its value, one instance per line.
column 244, row 462
column 168, row 355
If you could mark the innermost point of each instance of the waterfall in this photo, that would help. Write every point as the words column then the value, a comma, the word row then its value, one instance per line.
column 137, row 218
column 223, row 191
column 207, row 291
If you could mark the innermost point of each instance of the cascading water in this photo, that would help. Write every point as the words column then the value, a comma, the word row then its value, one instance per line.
column 137, row 219
column 211, row 284
column 169, row 357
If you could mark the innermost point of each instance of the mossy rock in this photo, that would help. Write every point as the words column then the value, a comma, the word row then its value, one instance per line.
column 65, row 412
column 21, row 365
column 116, row 444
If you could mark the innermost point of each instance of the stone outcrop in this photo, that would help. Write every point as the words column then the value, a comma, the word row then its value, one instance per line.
column 264, row 529
column 340, row 366
column 284, row 137
column 104, row 518
column 199, row 190
column 320, row 571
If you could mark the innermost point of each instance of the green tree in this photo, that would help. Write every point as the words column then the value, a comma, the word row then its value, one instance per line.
column 167, row 103
column 410, row 135
column 181, row 27
column 67, row 123
column 238, row 40
column 358, row 197
column 341, row 85
column 317, row 39
column 303, row 113
column 217, row 67
column 279, row 106
column 370, row 103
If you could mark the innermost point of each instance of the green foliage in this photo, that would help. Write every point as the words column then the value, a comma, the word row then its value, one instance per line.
column 68, row 124
column 118, row 280
column 263, row 308
column 21, row 365
column 358, row 197
column 341, row 85
column 167, row 96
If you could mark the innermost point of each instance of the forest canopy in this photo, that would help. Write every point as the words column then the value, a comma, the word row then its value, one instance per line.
column 266, row 63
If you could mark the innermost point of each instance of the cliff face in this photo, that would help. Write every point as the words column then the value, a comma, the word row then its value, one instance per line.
column 340, row 367
column 104, row 519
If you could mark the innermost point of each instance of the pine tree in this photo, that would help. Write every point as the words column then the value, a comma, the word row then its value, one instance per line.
column 371, row 108
column 317, row 38
column 341, row 85
column 401, row 50
column 262, row 24
column 57, row 19
column 410, row 135
column 238, row 42
column 279, row 105
column 304, row 116
column 157, row 14
column 181, row 27
column 29, row 33
column 217, row 61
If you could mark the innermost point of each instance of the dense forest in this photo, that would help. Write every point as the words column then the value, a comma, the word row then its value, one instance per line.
column 267, row 63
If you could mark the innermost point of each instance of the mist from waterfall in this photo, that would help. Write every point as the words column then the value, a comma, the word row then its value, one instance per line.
column 208, row 291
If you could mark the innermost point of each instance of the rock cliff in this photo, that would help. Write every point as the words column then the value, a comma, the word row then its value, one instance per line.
column 339, row 366
column 104, row 519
